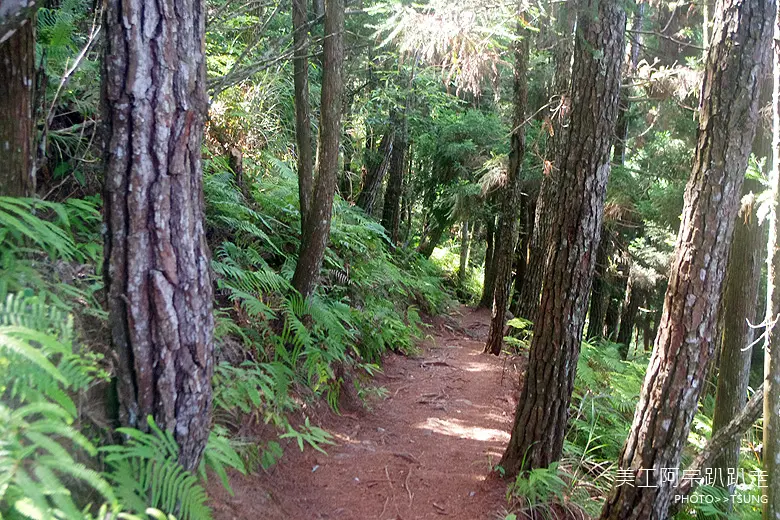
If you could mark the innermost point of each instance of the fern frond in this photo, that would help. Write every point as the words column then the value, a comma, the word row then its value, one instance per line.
column 146, row 473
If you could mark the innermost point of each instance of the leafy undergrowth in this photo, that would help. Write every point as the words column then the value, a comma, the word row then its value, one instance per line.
column 276, row 353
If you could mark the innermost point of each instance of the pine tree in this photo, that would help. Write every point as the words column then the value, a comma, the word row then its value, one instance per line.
column 157, row 261
column 543, row 408
column 686, row 333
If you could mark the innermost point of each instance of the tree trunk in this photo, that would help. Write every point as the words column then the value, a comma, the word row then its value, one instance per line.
column 521, row 251
column 489, row 278
column 391, row 212
column 528, row 299
column 464, row 251
column 543, row 408
column 621, row 127
column 686, row 334
column 719, row 442
column 14, row 15
column 634, row 297
column 439, row 222
column 476, row 228
column 376, row 173
column 504, row 251
column 303, row 137
column 771, row 453
column 617, row 291
column 600, row 291
column 315, row 235
column 157, row 270
column 17, row 70
column 740, row 305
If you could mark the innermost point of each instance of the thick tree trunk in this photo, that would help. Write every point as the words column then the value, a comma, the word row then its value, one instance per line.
column 771, row 453
column 634, row 298
column 303, row 137
column 504, row 251
column 600, row 291
column 528, row 299
column 543, row 408
column 686, row 334
column 157, row 260
column 489, row 278
column 376, row 173
column 17, row 70
column 317, row 231
column 739, row 311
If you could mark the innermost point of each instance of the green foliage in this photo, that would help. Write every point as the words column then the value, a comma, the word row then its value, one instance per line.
column 219, row 455
column 521, row 334
column 542, row 492
column 43, row 249
column 145, row 472
column 270, row 340
column 41, row 450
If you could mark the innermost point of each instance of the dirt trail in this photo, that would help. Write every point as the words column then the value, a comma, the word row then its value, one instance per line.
column 423, row 452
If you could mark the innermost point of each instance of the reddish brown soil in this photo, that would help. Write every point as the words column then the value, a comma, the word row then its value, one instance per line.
column 425, row 451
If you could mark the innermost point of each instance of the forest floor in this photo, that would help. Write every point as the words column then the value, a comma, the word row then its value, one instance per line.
column 423, row 451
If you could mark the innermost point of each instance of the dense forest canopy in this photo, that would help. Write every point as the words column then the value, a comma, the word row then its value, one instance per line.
column 243, row 240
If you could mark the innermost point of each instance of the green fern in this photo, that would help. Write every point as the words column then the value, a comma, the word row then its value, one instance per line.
column 146, row 473
column 38, row 441
column 220, row 453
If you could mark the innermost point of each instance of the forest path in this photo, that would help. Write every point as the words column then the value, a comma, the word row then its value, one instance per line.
column 424, row 451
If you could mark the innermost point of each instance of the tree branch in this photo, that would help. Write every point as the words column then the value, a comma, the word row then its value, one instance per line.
column 735, row 429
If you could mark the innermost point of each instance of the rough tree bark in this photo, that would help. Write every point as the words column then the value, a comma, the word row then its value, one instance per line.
column 506, row 235
column 157, row 269
column 771, row 453
column 739, row 311
column 543, row 408
column 376, row 173
column 303, row 137
column 17, row 70
column 315, row 235
column 686, row 334
column 601, row 290
column 528, row 299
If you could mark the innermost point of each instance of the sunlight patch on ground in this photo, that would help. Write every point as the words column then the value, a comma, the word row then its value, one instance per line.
column 457, row 428
column 478, row 367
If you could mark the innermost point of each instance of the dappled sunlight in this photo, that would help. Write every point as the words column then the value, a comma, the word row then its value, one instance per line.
column 457, row 428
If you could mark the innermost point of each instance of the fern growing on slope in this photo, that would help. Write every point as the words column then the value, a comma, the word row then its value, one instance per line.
column 39, row 444
column 271, row 341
